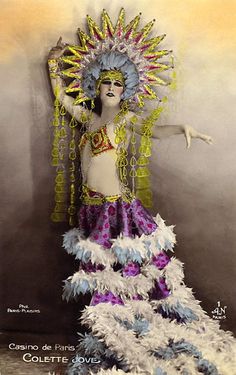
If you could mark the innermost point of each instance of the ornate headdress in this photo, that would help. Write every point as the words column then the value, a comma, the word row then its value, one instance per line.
column 116, row 49
column 121, row 47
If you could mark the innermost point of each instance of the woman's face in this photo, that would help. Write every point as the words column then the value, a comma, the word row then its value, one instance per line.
column 111, row 91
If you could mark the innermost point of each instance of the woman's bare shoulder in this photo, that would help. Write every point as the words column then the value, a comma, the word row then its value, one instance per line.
column 133, row 118
column 78, row 113
column 129, row 115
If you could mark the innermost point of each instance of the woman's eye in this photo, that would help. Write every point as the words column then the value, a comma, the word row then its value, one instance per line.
column 118, row 84
column 106, row 82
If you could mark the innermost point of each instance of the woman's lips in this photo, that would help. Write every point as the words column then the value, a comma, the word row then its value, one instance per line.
column 110, row 94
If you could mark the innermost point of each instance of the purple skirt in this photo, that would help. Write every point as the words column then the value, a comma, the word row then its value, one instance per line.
column 104, row 222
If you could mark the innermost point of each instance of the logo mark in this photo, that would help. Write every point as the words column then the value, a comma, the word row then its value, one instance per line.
column 219, row 313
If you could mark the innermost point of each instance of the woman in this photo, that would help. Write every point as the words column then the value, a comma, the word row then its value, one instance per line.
column 99, row 174
column 142, row 317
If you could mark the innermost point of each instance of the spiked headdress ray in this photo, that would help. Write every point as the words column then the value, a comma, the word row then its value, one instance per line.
column 121, row 47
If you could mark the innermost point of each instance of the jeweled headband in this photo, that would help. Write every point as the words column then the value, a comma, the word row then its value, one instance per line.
column 113, row 75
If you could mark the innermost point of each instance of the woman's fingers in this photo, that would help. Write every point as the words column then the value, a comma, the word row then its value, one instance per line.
column 190, row 133
column 207, row 138
column 57, row 51
column 59, row 42
column 187, row 137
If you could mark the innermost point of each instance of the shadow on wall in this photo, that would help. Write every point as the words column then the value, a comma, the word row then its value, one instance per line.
column 33, row 268
column 205, row 240
column 34, row 263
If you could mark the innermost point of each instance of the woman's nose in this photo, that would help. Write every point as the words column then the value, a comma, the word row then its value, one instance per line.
column 111, row 86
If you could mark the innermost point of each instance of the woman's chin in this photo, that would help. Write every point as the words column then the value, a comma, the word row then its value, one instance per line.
column 111, row 102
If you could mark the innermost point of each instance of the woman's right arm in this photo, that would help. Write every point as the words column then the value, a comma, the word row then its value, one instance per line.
column 58, row 83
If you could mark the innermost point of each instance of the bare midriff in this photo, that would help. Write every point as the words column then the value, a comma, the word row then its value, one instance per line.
column 99, row 169
column 100, row 172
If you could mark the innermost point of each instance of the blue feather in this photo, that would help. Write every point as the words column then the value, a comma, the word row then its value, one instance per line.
column 207, row 367
column 110, row 61
column 177, row 312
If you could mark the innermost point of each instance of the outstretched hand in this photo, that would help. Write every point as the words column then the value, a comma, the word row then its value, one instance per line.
column 57, row 51
column 190, row 133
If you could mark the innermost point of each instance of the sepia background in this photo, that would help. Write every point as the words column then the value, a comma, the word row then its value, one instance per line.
column 193, row 189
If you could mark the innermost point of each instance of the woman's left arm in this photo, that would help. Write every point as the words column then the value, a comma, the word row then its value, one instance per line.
column 188, row 131
column 165, row 131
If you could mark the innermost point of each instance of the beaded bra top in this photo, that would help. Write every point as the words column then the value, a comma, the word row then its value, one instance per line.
column 99, row 141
